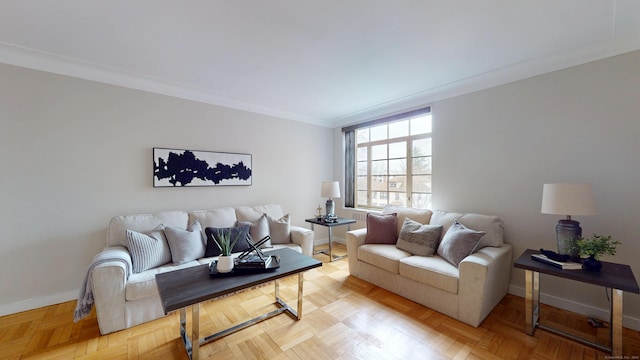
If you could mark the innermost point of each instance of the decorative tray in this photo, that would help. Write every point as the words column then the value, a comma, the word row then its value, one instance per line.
column 271, row 265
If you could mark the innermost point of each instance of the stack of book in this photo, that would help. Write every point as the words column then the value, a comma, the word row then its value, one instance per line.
column 566, row 265
column 253, row 262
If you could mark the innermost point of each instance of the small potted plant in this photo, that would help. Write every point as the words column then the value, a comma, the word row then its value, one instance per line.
column 225, row 244
column 593, row 248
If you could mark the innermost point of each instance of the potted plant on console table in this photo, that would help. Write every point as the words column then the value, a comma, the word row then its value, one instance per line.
column 592, row 248
column 225, row 244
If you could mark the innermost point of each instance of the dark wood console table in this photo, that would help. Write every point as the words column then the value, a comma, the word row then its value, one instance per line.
column 330, row 226
column 617, row 277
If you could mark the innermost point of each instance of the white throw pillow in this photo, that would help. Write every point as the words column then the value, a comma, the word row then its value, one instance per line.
column 280, row 230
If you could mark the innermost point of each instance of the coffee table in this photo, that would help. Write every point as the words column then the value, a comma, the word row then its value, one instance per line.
column 180, row 289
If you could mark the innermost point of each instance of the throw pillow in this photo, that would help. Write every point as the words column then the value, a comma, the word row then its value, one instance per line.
column 280, row 230
column 185, row 245
column 419, row 239
column 381, row 229
column 458, row 243
column 241, row 245
column 148, row 250
column 420, row 215
column 258, row 230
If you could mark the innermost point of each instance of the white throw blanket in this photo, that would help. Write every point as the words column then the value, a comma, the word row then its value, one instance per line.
column 85, row 298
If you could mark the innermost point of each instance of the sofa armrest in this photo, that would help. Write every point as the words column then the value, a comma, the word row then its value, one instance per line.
column 304, row 238
column 354, row 239
column 484, row 281
column 109, row 281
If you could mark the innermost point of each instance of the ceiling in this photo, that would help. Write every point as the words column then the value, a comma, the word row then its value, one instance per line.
column 329, row 62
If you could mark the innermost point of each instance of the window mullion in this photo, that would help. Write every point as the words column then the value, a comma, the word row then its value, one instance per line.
column 409, row 173
column 369, row 176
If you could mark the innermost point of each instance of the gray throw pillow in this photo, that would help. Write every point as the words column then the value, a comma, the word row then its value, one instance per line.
column 419, row 239
column 458, row 243
column 185, row 245
column 280, row 230
column 258, row 230
column 148, row 250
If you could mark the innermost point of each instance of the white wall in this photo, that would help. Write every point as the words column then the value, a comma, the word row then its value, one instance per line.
column 494, row 149
column 75, row 153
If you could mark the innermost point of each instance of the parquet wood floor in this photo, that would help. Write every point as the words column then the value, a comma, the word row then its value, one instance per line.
column 344, row 318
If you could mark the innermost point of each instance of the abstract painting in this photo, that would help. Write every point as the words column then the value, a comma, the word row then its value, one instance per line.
column 183, row 168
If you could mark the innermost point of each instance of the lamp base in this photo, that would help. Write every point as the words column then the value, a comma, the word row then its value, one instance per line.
column 331, row 208
column 567, row 232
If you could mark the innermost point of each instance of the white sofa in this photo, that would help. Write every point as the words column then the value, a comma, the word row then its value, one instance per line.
column 467, row 293
column 124, row 299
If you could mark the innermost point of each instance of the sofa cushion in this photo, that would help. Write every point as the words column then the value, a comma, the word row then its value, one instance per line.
column 258, row 229
column 433, row 270
column 419, row 239
column 118, row 226
column 217, row 218
column 381, row 229
column 423, row 216
column 492, row 225
column 273, row 210
column 249, row 214
column 384, row 256
column 279, row 229
column 185, row 245
column 458, row 243
column 142, row 285
column 237, row 232
column 148, row 250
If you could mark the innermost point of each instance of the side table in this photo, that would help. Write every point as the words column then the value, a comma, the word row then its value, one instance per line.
column 617, row 277
column 330, row 226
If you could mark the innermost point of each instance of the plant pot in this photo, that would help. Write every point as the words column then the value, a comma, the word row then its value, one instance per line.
column 591, row 264
column 224, row 264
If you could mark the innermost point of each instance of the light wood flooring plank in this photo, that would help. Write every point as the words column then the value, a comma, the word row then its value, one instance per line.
column 344, row 318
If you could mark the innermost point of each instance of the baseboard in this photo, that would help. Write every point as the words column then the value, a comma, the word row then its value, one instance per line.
column 34, row 303
column 578, row 308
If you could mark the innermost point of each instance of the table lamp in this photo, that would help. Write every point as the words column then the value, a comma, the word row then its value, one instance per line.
column 330, row 189
column 569, row 200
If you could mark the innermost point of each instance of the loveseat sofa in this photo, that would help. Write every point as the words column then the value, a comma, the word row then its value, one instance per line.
column 124, row 298
column 467, row 292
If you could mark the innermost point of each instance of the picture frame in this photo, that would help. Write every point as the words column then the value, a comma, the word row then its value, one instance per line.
column 196, row 168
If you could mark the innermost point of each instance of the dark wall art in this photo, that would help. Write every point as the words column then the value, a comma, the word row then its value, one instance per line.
column 181, row 168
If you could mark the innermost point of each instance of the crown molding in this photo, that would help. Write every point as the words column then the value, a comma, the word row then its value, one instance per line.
column 42, row 61
column 47, row 62
column 500, row 76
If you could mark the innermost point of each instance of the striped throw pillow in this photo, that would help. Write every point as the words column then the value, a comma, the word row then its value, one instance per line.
column 148, row 250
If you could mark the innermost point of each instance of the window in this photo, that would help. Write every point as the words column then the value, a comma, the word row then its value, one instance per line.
column 388, row 162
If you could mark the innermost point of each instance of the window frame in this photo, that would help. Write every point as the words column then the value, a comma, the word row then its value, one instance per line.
column 352, row 162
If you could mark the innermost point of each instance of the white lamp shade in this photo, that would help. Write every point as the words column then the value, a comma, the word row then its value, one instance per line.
column 568, row 199
column 330, row 189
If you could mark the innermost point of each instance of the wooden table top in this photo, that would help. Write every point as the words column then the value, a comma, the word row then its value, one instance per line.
column 339, row 221
column 612, row 275
column 184, row 287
